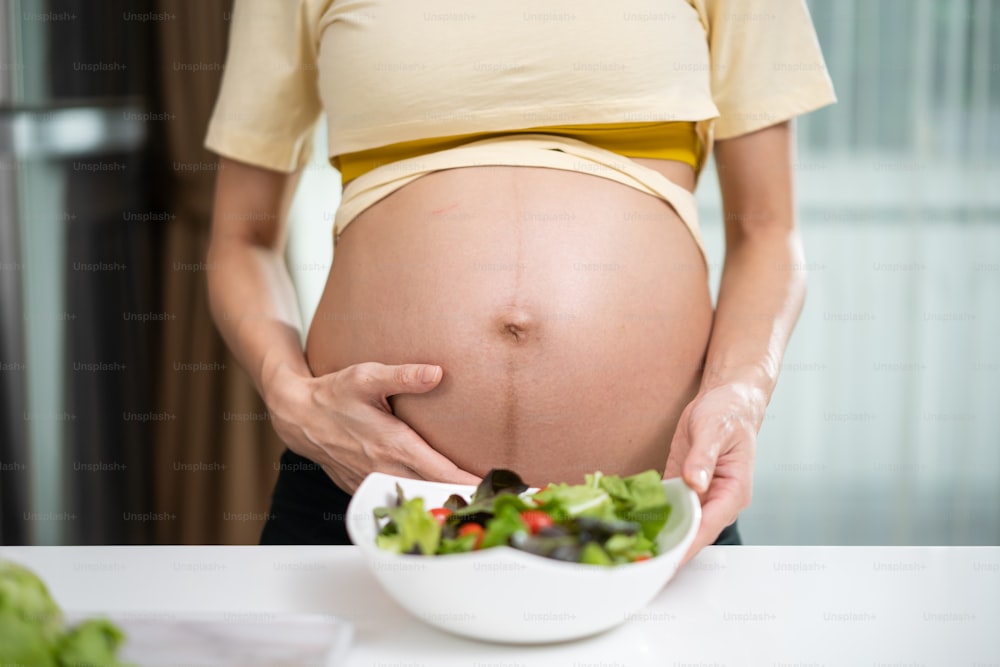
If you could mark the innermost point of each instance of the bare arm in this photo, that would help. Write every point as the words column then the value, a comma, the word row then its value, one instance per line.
column 760, row 298
column 763, row 281
column 250, row 291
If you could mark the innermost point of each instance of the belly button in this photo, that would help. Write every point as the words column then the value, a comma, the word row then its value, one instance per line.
column 516, row 325
column 517, row 332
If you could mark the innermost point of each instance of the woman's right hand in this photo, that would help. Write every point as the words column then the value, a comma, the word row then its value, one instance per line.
column 344, row 423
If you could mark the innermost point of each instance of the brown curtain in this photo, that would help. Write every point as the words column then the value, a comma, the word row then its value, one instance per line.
column 215, row 450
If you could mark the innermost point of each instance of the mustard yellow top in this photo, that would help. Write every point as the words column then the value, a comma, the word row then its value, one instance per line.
column 663, row 140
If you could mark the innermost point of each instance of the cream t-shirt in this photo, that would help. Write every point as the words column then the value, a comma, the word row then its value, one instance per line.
column 385, row 72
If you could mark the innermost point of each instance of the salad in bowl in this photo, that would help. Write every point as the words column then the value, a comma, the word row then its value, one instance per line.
column 608, row 520
column 551, row 564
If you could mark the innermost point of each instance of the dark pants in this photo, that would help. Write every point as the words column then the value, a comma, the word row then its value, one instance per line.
column 308, row 508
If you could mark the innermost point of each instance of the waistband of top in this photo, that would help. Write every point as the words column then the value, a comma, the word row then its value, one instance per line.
column 523, row 150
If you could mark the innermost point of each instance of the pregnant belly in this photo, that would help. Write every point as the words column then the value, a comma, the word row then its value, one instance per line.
column 570, row 315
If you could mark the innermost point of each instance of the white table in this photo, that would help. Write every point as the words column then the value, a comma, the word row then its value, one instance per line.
column 733, row 606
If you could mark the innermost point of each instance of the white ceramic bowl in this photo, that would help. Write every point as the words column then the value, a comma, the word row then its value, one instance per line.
column 506, row 595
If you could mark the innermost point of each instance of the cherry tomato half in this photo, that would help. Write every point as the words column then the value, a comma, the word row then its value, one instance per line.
column 472, row 529
column 536, row 520
column 440, row 514
column 640, row 557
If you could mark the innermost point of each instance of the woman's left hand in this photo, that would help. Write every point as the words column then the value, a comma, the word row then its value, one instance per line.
column 713, row 450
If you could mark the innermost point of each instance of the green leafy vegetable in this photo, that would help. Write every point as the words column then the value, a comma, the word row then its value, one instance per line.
column 23, row 594
column 455, row 502
column 640, row 498
column 607, row 520
column 497, row 481
column 22, row 643
column 32, row 627
column 457, row 545
column 593, row 554
column 500, row 528
column 92, row 643
column 499, row 486
column 410, row 530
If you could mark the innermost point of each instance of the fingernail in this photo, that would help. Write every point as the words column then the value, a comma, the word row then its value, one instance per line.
column 701, row 479
column 430, row 374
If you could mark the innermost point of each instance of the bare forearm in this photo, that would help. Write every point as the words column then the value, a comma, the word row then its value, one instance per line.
column 761, row 295
column 763, row 280
column 250, row 291
column 254, row 306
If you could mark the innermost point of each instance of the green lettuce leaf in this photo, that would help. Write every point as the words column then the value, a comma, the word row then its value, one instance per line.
column 640, row 498
column 593, row 554
column 22, row 642
column 23, row 594
column 457, row 545
column 32, row 627
column 411, row 529
column 505, row 523
column 564, row 501
column 92, row 643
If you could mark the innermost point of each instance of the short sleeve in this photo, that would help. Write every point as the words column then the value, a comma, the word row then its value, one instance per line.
column 766, row 63
column 268, row 103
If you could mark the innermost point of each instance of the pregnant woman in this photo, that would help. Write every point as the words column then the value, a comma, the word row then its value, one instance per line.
column 518, row 276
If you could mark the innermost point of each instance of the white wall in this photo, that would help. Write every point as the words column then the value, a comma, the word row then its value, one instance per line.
column 885, row 427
